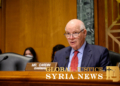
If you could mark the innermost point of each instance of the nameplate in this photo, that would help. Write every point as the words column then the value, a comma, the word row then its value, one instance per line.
column 40, row 66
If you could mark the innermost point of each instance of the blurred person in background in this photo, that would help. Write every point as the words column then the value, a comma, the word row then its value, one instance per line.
column 56, row 48
column 30, row 52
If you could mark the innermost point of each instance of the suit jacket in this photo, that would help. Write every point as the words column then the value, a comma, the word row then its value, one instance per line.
column 93, row 56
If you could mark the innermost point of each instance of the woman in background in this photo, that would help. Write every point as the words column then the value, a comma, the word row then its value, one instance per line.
column 56, row 48
column 30, row 52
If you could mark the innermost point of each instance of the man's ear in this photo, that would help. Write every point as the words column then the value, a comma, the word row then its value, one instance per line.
column 85, row 32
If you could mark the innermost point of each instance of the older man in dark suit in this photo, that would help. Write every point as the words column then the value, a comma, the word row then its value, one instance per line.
column 80, row 53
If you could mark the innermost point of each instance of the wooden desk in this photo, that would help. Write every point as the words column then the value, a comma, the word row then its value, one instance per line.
column 34, row 78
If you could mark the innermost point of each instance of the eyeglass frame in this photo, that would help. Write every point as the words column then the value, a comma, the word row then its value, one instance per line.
column 73, row 33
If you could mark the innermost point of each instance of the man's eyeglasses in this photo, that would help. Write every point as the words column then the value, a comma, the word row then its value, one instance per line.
column 68, row 35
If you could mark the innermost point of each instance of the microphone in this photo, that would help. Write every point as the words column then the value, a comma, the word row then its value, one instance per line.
column 67, row 57
column 66, row 60
column 6, row 57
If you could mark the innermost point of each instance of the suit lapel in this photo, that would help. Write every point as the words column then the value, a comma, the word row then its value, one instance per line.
column 87, row 54
column 67, row 54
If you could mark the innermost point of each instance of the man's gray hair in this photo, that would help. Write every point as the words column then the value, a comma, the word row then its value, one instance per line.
column 82, row 26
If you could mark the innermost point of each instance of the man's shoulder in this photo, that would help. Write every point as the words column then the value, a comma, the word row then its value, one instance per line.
column 66, row 49
column 97, row 48
column 61, row 54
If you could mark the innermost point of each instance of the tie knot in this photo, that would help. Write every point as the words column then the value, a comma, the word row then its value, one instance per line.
column 76, row 52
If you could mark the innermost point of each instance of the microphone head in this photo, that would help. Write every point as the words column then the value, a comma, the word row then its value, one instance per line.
column 5, row 57
column 67, row 57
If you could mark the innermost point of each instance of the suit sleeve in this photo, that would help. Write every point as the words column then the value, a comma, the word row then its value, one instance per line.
column 105, row 60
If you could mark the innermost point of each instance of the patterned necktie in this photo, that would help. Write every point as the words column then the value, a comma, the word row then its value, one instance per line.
column 74, row 62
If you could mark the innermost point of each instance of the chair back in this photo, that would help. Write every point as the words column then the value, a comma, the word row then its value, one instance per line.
column 14, row 62
column 114, row 58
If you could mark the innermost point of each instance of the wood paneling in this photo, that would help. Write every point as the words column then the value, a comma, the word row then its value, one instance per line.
column 37, row 23
column 107, row 24
column 96, row 20
column 0, row 27
column 101, row 22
